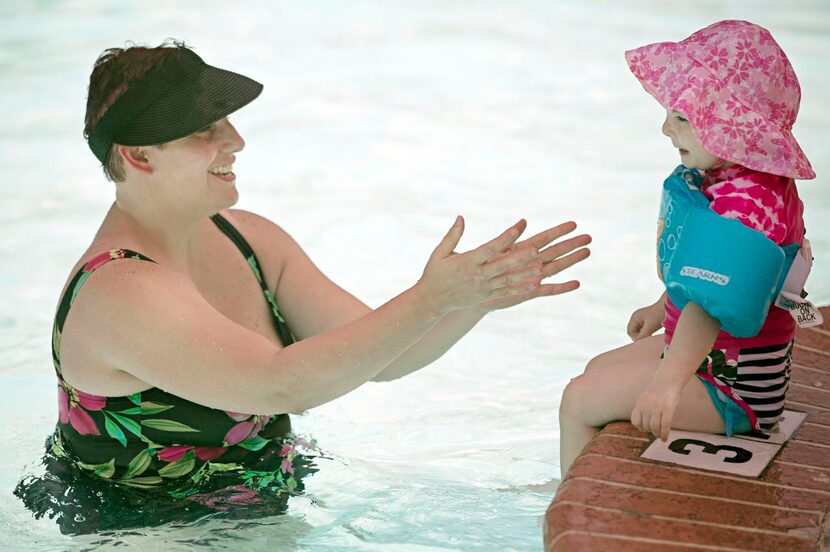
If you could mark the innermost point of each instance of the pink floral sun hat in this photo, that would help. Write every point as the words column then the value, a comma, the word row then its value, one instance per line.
column 736, row 87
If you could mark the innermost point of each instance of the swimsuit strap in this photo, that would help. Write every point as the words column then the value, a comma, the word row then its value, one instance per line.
column 103, row 258
column 72, row 290
column 247, row 251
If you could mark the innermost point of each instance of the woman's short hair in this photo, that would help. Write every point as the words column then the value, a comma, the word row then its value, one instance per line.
column 113, row 73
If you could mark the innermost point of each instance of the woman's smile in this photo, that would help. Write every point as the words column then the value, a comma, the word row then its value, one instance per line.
column 224, row 173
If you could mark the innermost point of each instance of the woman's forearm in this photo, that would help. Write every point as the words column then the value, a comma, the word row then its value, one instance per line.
column 433, row 344
column 323, row 367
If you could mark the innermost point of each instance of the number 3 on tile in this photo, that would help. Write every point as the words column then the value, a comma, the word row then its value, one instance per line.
column 685, row 446
column 713, row 452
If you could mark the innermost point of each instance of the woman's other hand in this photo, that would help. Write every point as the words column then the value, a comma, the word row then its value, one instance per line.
column 555, row 257
column 498, row 268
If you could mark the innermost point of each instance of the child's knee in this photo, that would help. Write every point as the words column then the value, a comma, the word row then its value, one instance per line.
column 575, row 396
column 595, row 362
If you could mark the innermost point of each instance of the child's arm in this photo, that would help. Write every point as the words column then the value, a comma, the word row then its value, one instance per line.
column 647, row 320
column 693, row 339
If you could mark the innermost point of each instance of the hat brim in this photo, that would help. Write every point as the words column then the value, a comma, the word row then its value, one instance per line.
column 189, row 107
column 721, row 123
column 174, row 99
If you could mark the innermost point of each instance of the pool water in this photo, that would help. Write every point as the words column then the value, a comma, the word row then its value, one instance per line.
column 380, row 122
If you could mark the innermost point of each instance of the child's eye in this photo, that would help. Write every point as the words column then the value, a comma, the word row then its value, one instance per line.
column 680, row 118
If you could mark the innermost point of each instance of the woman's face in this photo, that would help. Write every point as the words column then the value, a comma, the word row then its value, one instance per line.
column 692, row 155
column 200, row 166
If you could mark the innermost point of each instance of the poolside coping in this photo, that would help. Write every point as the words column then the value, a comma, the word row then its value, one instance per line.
column 613, row 500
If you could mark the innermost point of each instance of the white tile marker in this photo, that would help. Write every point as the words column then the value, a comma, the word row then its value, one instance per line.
column 738, row 455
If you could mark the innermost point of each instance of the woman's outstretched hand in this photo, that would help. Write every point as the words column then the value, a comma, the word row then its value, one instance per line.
column 554, row 257
column 459, row 280
column 500, row 273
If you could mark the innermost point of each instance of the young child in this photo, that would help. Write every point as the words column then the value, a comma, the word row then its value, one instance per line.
column 731, row 99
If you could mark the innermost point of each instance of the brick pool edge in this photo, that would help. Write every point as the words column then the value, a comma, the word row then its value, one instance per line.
column 614, row 500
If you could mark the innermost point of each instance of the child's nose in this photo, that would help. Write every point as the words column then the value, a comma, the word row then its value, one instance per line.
column 666, row 128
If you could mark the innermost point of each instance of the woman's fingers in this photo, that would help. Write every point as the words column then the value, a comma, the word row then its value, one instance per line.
column 497, row 245
column 451, row 281
column 519, row 257
column 501, row 267
column 544, row 237
column 551, row 258
column 531, row 274
column 557, row 289
column 521, row 288
column 450, row 240
column 540, row 242
column 550, row 254
column 557, row 266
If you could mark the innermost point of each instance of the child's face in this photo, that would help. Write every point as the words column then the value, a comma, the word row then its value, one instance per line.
column 692, row 155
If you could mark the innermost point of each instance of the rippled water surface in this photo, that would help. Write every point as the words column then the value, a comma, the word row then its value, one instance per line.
column 379, row 122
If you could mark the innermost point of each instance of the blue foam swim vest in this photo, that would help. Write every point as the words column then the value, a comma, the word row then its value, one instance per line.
column 733, row 272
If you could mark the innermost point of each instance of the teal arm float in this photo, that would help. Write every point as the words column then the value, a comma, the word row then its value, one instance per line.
column 733, row 272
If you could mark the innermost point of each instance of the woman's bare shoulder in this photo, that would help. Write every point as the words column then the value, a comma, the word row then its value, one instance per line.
column 105, row 303
column 272, row 245
column 142, row 324
column 97, row 247
column 253, row 225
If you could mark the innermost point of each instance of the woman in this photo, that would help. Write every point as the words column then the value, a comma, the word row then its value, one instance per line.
column 188, row 330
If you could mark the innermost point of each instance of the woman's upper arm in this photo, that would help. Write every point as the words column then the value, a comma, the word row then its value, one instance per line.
column 310, row 302
column 152, row 323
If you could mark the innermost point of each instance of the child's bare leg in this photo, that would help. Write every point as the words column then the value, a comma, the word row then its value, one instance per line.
column 608, row 390
column 644, row 348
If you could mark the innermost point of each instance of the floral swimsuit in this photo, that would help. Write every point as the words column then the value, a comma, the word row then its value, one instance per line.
column 158, row 442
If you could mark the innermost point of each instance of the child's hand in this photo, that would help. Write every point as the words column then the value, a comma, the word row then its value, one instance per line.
column 645, row 321
column 654, row 409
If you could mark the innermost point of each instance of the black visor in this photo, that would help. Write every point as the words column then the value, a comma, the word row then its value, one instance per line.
column 178, row 97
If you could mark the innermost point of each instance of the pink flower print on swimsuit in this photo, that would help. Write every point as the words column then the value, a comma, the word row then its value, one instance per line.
column 227, row 498
column 736, row 87
column 172, row 454
column 103, row 258
column 156, row 440
column 73, row 406
column 246, row 432
column 287, row 452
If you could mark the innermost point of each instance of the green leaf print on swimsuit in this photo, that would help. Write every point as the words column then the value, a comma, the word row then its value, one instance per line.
column 142, row 454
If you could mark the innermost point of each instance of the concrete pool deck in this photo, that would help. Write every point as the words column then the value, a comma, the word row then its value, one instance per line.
column 614, row 500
